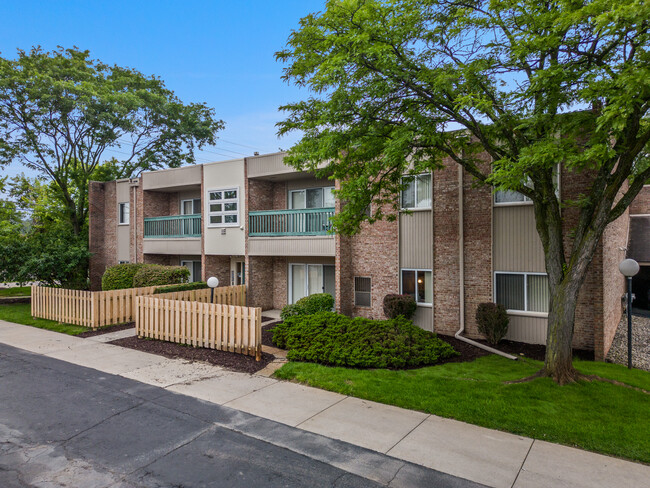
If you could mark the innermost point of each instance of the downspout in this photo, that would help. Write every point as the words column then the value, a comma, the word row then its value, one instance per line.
column 461, row 275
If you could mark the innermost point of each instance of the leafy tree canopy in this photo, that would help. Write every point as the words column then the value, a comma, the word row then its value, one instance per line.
column 61, row 112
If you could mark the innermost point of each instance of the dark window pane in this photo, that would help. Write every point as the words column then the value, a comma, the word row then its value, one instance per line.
column 408, row 283
column 510, row 291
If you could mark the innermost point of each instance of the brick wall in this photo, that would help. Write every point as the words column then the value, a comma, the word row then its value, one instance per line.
column 96, row 217
column 280, row 282
column 641, row 204
column 259, row 277
column 218, row 266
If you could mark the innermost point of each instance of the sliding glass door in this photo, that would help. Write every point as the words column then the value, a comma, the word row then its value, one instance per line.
column 308, row 279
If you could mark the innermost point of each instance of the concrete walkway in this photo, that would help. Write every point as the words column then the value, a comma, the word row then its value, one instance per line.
column 482, row 455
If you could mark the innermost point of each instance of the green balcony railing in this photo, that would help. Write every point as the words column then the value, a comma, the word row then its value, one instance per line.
column 173, row 226
column 303, row 222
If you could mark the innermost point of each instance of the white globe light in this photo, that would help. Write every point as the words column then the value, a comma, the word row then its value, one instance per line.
column 629, row 267
column 213, row 282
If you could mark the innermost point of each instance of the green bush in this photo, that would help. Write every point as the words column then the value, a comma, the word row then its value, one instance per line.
column 156, row 274
column 396, row 305
column 334, row 339
column 319, row 302
column 120, row 276
column 492, row 321
column 197, row 285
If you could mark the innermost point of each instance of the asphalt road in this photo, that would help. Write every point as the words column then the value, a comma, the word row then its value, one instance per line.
column 69, row 426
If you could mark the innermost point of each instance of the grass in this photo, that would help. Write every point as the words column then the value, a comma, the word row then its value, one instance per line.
column 597, row 416
column 21, row 313
column 18, row 291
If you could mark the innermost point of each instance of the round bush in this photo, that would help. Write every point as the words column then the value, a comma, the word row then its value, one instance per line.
column 396, row 305
column 120, row 276
column 156, row 274
column 492, row 321
column 318, row 302
column 334, row 339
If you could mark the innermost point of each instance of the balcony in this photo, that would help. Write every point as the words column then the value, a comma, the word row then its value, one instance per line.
column 172, row 227
column 303, row 222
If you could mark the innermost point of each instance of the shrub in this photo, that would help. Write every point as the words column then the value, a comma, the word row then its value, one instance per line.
column 120, row 276
column 396, row 305
column 197, row 285
column 334, row 339
column 319, row 302
column 156, row 274
column 492, row 320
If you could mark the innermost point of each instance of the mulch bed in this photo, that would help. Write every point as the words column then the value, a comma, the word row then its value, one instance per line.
column 107, row 330
column 467, row 351
column 228, row 360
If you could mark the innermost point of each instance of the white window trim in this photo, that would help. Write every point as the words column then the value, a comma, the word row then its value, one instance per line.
column 119, row 213
column 419, row 304
column 415, row 209
column 223, row 212
column 524, row 313
column 290, row 200
column 354, row 278
column 290, row 280
column 189, row 200
column 191, row 278
column 526, row 201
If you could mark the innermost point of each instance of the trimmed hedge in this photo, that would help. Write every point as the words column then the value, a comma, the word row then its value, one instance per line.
column 120, row 276
column 318, row 302
column 334, row 339
column 156, row 274
column 396, row 305
column 197, row 285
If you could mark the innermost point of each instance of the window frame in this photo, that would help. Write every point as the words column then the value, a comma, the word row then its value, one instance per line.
column 526, row 274
column 223, row 212
column 193, row 206
column 526, row 200
column 416, row 270
column 295, row 190
column 126, row 205
column 415, row 194
column 369, row 293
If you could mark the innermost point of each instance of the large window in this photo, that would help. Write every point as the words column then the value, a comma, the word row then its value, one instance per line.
column 191, row 206
column 311, row 198
column 523, row 292
column 223, row 207
column 417, row 193
column 124, row 214
column 362, row 289
column 418, row 284
column 195, row 270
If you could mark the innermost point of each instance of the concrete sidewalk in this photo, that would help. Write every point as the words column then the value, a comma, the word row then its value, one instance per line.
column 482, row 455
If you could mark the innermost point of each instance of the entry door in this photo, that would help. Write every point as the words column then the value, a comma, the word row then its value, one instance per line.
column 238, row 273
column 309, row 279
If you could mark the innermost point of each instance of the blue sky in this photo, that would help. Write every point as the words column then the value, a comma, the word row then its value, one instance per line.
column 217, row 52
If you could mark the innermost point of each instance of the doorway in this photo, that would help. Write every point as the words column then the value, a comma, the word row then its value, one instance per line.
column 308, row 279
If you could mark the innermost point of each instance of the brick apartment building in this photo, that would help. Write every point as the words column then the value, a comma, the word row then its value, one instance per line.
column 258, row 222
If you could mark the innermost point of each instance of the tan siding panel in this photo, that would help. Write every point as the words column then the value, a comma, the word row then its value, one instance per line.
column 291, row 246
column 172, row 178
column 301, row 184
column 416, row 240
column 531, row 330
column 184, row 245
column 423, row 318
column 517, row 246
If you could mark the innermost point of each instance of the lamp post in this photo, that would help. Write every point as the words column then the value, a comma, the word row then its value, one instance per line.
column 629, row 268
column 212, row 283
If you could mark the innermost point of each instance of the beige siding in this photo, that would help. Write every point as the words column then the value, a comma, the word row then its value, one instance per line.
column 531, row 330
column 303, row 183
column 416, row 240
column 517, row 246
column 423, row 318
column 186, row 245
column 270, row 165
column 176, row 178
column 291, row 246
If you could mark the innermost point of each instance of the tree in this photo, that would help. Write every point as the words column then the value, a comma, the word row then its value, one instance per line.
column 61, row 113
column 532, row 84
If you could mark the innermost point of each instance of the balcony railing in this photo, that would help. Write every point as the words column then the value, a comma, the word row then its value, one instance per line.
column 173, row 226
column 303, row 222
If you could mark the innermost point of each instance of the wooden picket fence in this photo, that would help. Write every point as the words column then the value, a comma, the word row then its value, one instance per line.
column 224, row 295
column 86, row 308
column 214, row 326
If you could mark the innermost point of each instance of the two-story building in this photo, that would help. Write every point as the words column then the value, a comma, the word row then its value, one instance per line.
column 259, row 222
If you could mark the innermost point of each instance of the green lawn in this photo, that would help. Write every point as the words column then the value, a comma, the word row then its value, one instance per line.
column 18, row 291
column 597, row 416
column 21, row 313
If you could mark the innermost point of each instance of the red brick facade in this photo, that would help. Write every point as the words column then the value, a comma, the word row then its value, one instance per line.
column 641, row 204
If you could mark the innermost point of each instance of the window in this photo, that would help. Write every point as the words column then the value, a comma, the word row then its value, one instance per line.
column 418, row 284
column 311, row 198
column 191, row 207
column 362, row 287
column 124, row 213
column 417, row 194
column 508, row 197
column 195, row 270
column 123, row 262
column 223, row 207
column 523, row 292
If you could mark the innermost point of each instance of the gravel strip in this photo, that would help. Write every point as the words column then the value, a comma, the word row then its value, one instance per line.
column 640, row 343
